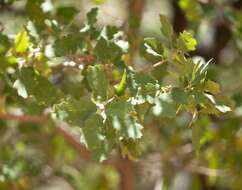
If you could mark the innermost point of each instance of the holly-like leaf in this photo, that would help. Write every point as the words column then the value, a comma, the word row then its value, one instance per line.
column 92, row 131
column 107, row 50
column 37, row 86
column 66, row 13
column 124, row 119
column 72, row 111
column 97, row 81
column 68, row 44
column 99, row 137
column 119, row 109
column 92, row 16
column 164, row 106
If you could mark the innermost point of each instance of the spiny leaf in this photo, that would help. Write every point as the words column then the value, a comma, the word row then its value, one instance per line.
column 37, row 86
column 93, row 137
column 92, row 16
column 92, row 132
column 107, row 50
column 66, row 13
column 164, row 106
column 120, row 108
column 68, row 44
column 72, row 111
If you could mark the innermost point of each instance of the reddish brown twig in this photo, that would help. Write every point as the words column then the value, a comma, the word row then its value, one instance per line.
column 80, row 58
column 60, row 130
column 24, row 118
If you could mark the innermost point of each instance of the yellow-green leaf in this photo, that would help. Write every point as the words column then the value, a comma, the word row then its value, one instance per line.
column 22, row 42
column 212, row 87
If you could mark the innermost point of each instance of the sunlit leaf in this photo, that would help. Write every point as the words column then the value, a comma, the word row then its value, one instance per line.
column 22, row 42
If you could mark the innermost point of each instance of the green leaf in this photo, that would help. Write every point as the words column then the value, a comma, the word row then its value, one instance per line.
column 92, row 16
column 212, row 87
column 143, row 78
column 4, row 43
column 35, row 12
column 101, row 49
column 98, row 137
column 97, row 81
column 127, row 127
column 124, row 119
column 68, row 44
column 160, row 71
column 166, row 27
column 164, row 106
column 22, row 42
column 180, row 96
column 37, row 86
column 186, row 42
column 131, row 148
column 107, row 50
column 72, row 111
column 197, row 71
column 66, row 13
column 92, row 132
column 131, row 128
column 109, row 31
column 120, row 108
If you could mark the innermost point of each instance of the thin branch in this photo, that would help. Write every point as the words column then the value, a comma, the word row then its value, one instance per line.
column 75, row 143
column 24, row 118
column 79, row 58
column 59, row 130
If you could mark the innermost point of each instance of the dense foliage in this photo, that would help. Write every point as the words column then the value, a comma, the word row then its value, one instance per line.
column 84, row 77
